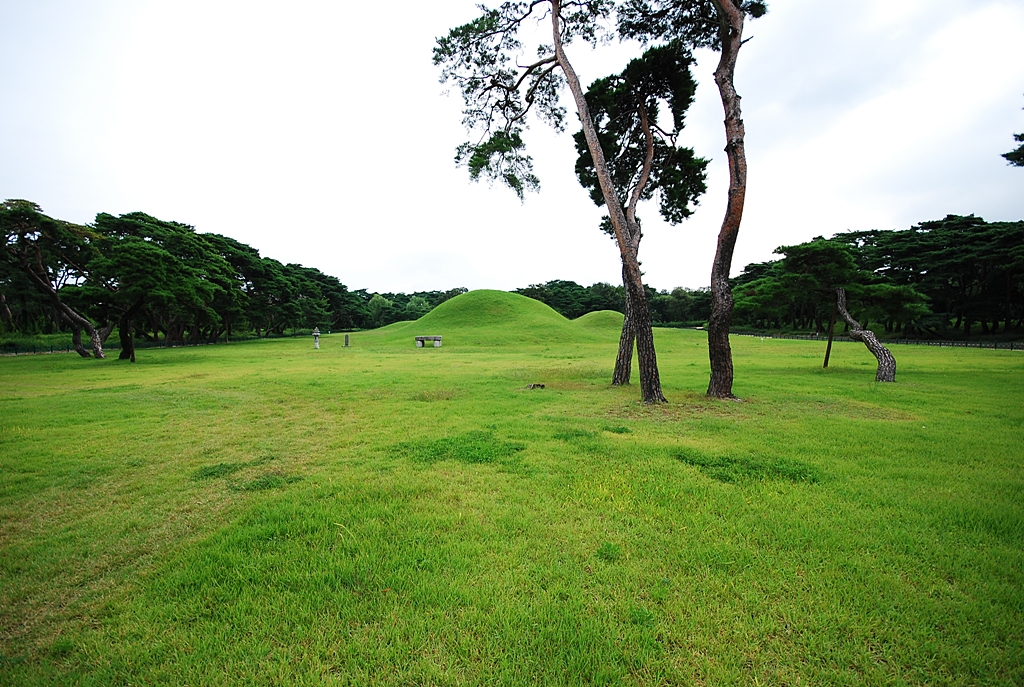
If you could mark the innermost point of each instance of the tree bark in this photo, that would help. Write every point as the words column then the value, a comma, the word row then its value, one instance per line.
column 730, row 19
column 650, row 382
column 886, row 362
column 76, row 340
column 105, row 331
column 624, row 360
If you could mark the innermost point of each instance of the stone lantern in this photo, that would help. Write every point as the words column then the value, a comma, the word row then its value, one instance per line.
column 316, row 338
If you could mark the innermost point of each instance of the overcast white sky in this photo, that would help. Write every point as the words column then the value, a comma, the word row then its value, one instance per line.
column 317, row 132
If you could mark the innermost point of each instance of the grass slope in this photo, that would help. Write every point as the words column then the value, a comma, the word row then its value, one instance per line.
column 266, row 513
column 491, row 318
column 601, row 319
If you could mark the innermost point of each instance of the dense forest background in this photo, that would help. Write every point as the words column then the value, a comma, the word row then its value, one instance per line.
column 952, row 278
column 936, row 279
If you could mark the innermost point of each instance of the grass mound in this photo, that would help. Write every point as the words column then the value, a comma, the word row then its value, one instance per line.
column 601, row 319
column 490, row 318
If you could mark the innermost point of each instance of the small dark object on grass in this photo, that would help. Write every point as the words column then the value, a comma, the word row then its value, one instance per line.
column 534, row 386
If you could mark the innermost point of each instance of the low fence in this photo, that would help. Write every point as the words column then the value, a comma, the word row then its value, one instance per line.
column 30, row 349
column 995, row 345
column 13, row 349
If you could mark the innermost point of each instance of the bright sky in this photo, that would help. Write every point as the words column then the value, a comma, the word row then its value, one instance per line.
column 317, row 132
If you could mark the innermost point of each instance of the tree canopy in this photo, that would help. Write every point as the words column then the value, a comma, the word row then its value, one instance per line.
column 1016, row 156
column 156, row 280
column 640, row 147
column 934, row 278
column 484, row 59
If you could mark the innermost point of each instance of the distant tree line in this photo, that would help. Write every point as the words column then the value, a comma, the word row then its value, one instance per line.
column 387, row 308
column 955, row 275
column 678, row 307
column 155, row 280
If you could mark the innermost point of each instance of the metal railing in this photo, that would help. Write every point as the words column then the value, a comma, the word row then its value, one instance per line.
column 995, row 345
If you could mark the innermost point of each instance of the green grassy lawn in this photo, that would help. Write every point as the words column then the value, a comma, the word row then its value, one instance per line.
column 264, row 513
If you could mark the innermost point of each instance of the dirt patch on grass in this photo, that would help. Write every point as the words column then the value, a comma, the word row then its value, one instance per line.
column 859, row 410
column 432, row 395
column 680, row 408
column 545, row 374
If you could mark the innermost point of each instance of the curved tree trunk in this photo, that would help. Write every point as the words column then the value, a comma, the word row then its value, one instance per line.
column 105, row 331
column 650, row 381
column 76, row 340
column 730, row 19
column 886, row 363
column 75, row 319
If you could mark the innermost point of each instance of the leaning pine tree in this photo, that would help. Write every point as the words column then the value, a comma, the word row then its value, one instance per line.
column 52, row 254
column 886, row 371
column 481, row 59
column 642, row 154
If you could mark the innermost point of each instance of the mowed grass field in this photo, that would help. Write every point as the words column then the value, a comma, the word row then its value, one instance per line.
column 265, row 513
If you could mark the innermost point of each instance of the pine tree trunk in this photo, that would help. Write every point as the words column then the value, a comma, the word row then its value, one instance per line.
column 730, row 19
column 886, row 362
column 650, row 382
column 831, row 332
column 125, row 332
column 624, row 360
column 97, row 343
column 76, row 341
